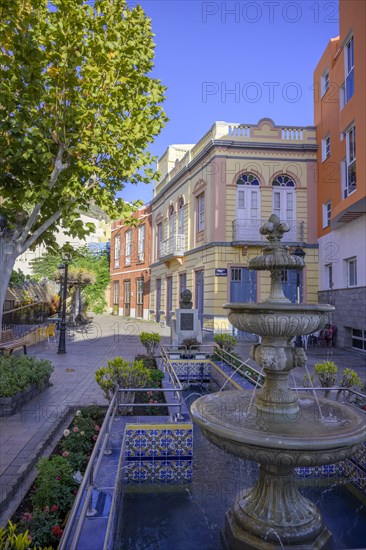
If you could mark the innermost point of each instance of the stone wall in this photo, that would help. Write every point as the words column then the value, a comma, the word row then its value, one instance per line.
column 350, row 312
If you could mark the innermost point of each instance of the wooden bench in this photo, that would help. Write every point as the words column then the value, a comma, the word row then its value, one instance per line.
column 8, row 343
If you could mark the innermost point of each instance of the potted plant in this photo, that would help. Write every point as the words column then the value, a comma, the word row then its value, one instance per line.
column 327, row 375
column 120, row 373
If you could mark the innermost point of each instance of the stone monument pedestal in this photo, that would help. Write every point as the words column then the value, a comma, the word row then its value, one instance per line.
column 186, row 325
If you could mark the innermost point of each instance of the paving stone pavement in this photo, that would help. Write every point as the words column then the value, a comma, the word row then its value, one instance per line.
column 35, row 429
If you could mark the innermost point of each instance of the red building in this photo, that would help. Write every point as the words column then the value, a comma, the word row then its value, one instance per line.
column 130, row 266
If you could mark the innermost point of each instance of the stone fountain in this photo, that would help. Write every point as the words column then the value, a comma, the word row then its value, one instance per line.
column 281, row 429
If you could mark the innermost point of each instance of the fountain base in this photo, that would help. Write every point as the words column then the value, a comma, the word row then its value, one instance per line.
column 233, row 537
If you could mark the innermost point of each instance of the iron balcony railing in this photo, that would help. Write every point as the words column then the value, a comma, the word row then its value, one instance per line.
column 174, row 245
column 247, row 230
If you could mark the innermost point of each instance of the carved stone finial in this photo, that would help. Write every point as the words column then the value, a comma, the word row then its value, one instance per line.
column 274, row 228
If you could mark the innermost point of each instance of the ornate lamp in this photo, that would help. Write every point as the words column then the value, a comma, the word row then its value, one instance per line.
column 66, row 255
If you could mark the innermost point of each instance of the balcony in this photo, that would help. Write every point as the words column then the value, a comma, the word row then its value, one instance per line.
column 247, row 231
column 173, row 247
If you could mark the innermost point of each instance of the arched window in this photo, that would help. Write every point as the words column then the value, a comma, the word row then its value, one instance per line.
column 247, row 207
column 284, row 203
column 248, row 179
column 283, row 181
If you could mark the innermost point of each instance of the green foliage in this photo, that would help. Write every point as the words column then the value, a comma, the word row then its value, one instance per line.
column 225, row 342
column 326, row 373
column 121, row 374
column 11, row 540
column 84, row 260
column 18, row 372
column 350, row 379
column 43, row 527
column 78, row 111
column 55, row 485
column 150, row 341
column 156, row 376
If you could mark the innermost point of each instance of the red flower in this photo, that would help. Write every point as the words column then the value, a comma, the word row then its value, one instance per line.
column 27, row 516
column 57, row 531
column 75, row 429
column 54, row 508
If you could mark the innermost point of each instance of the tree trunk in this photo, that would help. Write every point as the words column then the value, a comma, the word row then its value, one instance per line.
column 8, row 255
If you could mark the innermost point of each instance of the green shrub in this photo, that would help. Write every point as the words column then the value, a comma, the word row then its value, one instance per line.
column 19, row 372
column 150, row 341
column 11, row 540
column 121, row 374
column 225, row 342
column 54, row 485
column 350, row 379
column 156, row 377
column 327, row 374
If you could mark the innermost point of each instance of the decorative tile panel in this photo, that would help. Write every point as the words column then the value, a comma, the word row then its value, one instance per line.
column 161, row 453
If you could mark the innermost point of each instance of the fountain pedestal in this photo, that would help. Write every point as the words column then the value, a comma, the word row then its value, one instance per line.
column 281, row 431
column 260, row 520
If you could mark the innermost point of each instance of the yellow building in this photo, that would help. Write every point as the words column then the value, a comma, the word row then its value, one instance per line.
column 207, row 209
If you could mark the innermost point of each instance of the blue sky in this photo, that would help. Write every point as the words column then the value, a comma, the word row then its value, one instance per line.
column 237, row 61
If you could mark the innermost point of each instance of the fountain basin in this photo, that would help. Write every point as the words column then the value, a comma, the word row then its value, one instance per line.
column 303, row 440
column 284, row 320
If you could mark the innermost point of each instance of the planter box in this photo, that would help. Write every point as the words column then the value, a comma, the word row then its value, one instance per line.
column 9, row 405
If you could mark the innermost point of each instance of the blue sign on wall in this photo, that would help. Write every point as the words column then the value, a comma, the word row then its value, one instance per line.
column 221, row 272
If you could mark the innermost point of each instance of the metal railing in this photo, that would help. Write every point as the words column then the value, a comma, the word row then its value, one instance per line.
column 69, row 537
column 174, row 245
column 240, row 366
column 20, row 318
column 176, row 391
column 247, row 230
column 258, row 380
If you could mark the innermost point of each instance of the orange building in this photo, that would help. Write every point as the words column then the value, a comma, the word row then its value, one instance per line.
column 130, row 266
column 340, row 120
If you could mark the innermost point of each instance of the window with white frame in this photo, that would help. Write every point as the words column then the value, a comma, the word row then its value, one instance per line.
column 359, row 339
column 327, row 214
column 342, row 96
column 128, row 247
column 116, row 293
column 324, row 82
column 181, row 216
column 201, row 212
column 349, row 70
column 159, row 238
column 329, row 276
column 140, row 291
column 325, row 147
column 351, row 271
column 141, row 243
column 117, row 250
column 348, row 167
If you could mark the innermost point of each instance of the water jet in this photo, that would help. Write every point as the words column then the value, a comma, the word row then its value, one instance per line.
column 286, row 430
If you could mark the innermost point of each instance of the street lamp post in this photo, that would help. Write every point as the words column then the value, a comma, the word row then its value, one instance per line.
column 299, row 252
column 66, row 257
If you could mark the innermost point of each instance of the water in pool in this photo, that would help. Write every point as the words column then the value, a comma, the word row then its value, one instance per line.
column 190, row 516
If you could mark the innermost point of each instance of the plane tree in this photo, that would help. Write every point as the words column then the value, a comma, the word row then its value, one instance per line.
column 78, row 110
